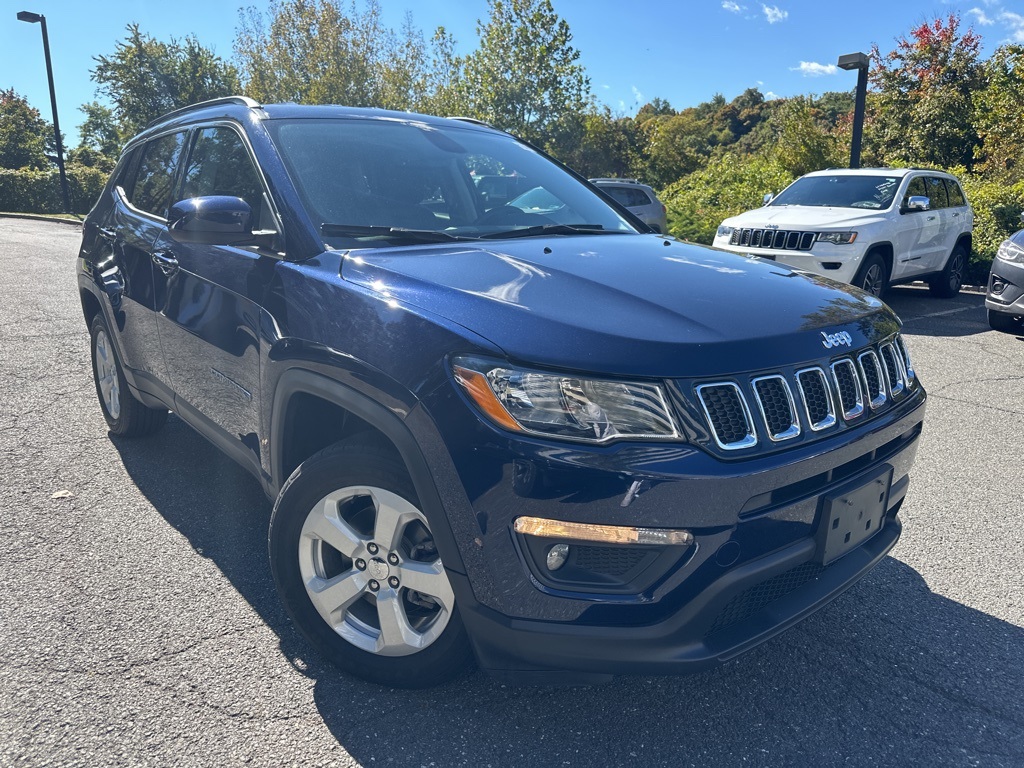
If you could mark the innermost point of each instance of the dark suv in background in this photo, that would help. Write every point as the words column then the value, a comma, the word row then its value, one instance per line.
column 550, row 443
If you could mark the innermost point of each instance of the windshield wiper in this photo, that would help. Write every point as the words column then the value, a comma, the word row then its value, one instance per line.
column 552, row 229
column 412, row 235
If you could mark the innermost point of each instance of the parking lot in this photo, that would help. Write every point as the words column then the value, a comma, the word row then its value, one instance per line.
column 139, row 623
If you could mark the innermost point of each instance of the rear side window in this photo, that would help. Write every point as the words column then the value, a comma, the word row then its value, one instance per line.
column 937, row 192
column 627, row 196
column 220, row 165
column 152, row 189
column 956, row 195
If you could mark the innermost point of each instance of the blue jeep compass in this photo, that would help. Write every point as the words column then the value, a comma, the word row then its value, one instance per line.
column 501, row 420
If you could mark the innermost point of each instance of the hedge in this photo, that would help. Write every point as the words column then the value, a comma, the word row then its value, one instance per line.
column 25, row 191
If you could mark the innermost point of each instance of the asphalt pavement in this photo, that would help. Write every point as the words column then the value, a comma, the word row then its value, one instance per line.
column 139, row 623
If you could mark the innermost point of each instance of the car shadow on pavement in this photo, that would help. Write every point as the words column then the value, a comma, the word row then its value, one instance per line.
column 925, row 315
column 889, row 673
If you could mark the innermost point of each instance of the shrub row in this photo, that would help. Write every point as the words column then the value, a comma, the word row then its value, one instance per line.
column 25, row 191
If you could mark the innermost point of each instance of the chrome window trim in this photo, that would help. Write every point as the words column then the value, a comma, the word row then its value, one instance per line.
column 830, row 420
column 794, row 427
column 751, row 438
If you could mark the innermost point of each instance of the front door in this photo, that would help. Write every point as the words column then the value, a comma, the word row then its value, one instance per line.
column 210, row 302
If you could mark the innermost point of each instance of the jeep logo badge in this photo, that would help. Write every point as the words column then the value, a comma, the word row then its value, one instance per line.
column 829, row 340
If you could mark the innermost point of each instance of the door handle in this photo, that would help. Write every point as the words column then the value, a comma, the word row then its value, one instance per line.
column 931, row 218
column 166, row 261
column 107, row 234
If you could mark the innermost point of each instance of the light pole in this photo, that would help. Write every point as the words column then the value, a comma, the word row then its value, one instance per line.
column 858, row 61
column 38, row 18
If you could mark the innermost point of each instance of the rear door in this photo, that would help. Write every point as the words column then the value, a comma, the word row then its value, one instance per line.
column 137, row 219
column 210, row 301
column 945, row 238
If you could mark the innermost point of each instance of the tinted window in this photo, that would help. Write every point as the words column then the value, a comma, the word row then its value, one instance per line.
column 840, row 191
column 152, row 190
column 956, row 195
column 220, row 165
column 937, row 192
column 916, row 188
column 627, row 196
column 407, row 175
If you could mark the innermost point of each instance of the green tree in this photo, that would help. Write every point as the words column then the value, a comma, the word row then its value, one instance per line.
column 25, row 137
column 804, row 140
column 923, row 108
column 525, row 76
column 998, row 109
column 605, row 145
column 145, row 78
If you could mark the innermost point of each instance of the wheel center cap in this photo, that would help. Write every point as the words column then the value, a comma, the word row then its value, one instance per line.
column 378, row 569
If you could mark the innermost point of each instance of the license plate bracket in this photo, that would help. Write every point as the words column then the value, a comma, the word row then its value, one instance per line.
column 852, row 515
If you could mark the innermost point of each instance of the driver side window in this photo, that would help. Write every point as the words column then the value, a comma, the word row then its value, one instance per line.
column 917, row 188
column 220, row 165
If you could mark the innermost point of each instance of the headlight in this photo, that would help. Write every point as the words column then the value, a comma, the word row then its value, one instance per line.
column 724, row 231
column 564, row 406
column 1010, row 251
column 837, row 238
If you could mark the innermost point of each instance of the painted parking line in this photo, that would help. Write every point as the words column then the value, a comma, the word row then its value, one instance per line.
column 940, row 314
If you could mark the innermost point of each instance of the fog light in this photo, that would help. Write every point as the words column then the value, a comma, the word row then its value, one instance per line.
column 557, row 556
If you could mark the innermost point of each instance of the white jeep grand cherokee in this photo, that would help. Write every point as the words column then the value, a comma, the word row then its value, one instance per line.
column 871, row 227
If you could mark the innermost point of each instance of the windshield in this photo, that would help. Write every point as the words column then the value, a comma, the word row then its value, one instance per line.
column 840, row 191
column 368, row 182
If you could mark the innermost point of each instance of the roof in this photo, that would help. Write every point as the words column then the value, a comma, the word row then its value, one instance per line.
column 241, row 108
column 877, row 172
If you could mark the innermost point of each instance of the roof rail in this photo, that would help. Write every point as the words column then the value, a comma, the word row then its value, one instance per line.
column 243, row 101
column 625, row 181
column 472, row 120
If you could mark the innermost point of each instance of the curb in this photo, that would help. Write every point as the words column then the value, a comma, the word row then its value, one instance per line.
column 34, row 217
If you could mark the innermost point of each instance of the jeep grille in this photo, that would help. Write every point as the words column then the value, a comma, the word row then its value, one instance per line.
column 773, row 238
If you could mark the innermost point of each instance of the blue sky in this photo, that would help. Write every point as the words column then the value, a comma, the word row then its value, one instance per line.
column 684, row 51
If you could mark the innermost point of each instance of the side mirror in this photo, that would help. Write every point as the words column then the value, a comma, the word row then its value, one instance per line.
column 1022, row 216
column 769, row 197
column 213, row 220
column 918, row 203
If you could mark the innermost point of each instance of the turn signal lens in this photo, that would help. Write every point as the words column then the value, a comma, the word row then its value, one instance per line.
column 604, row 534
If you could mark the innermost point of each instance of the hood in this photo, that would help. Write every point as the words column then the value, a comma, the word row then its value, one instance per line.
column 803, row 217
column 637, row 305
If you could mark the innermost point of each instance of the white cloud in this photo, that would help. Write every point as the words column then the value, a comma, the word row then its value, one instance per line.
column 1015, row 25
column 814, row 69
column 606, row 87
column 637, row 95
column 981, row 18
column 732, row 7
column 771, row 95
column 774, row 14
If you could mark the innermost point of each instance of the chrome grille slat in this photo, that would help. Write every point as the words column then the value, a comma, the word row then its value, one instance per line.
column 851, row 395
column 817, row 397
column 894, row 375
column 727, row 413
column 874, row 383
column 775, row 401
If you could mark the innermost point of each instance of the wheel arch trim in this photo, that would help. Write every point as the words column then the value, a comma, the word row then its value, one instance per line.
column 302, row 381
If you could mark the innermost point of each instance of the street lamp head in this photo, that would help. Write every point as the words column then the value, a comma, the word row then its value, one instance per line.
column 31, row 18
column 853, row 61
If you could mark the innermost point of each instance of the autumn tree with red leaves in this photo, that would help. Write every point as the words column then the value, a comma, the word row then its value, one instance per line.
column 922, row 104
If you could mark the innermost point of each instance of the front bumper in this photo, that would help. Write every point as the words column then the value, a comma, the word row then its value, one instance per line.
column 837, row 262
column 755, row 523
column 1006, row 288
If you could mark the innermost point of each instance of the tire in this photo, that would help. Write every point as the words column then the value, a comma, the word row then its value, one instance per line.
column 1004, row 322
column 351, row 598
column 947, row 283
column 125, row 415
column 873, row 275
